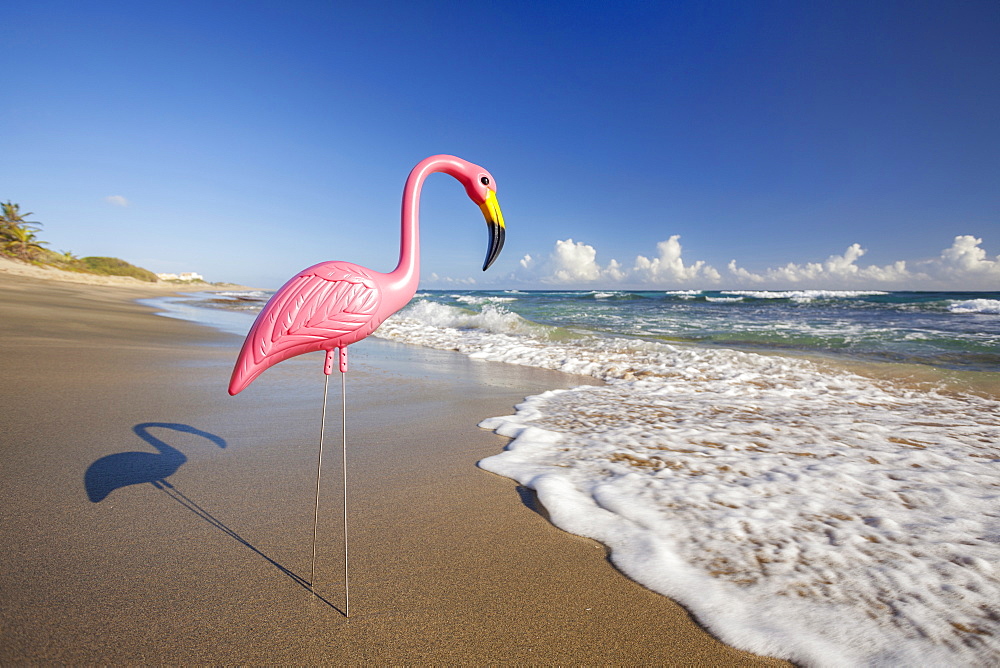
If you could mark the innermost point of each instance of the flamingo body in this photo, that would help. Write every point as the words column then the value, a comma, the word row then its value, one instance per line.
column 334, row 304
column 329, row 305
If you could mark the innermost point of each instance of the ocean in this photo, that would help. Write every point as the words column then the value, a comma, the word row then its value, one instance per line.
column 814, row 474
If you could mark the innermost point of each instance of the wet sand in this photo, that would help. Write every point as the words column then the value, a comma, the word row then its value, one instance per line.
column 449, row 564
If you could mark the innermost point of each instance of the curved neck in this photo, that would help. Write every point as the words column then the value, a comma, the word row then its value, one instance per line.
column 164, row 448
column 406, row 275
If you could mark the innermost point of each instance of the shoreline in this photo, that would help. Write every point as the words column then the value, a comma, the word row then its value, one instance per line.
column 448, row 564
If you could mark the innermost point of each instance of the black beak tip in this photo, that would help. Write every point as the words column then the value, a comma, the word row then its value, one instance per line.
column 497, row 235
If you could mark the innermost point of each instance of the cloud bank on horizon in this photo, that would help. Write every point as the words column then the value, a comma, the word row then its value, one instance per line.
column 963, row 266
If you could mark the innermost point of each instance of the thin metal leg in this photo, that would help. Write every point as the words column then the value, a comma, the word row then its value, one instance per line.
column 343, row 423
column 319, row 467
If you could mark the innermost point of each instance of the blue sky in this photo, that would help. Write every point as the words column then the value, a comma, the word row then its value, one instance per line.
column 635, row 144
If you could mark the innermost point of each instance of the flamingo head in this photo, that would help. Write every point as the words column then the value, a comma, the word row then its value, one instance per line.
column 482, row 189
column 494, row 219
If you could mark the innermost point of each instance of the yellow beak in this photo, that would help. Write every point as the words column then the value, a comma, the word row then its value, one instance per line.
column 494, row 221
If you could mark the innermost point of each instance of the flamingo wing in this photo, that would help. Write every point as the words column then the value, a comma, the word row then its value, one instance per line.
column 329, row 305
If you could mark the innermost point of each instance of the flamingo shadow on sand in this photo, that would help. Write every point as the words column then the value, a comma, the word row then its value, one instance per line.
column 135, row 468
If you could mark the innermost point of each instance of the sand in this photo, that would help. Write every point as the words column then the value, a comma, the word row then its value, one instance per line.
column 449, row 564
column 12, row 267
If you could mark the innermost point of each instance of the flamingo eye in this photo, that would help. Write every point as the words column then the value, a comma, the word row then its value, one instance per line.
column 485, row 181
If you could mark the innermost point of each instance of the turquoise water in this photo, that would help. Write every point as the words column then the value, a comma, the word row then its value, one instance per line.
column 953, row 330
column 944, row 329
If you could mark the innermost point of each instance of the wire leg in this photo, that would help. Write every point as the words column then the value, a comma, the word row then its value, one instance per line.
column 343, row 423
column 319, row 467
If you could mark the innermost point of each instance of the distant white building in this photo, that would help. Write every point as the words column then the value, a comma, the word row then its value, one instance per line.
column 185, row 276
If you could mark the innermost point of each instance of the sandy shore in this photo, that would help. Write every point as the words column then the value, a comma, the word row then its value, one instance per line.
column 449, row 564
column 11, row 267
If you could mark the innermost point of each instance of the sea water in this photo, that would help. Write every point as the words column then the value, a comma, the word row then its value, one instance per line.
column 815, row 475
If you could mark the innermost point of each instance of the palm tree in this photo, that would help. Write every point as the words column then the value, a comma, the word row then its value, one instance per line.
column 22, row 243
column 17, row 235
column 11, row 219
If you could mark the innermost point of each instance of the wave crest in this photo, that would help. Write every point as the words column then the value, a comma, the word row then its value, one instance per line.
column 804, row 295
column 991, row 306
column 492, row 318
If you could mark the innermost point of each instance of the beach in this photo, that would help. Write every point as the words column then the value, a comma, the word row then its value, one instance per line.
column 448, row 563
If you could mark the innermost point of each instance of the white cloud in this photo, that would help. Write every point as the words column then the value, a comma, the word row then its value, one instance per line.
column 573, row 262
column 966, row 260
column 669, row 268
column 117, row 200
column 963, row 266
column 615, row 271
column 744, row 277
column 835, row 271
column 447, row 280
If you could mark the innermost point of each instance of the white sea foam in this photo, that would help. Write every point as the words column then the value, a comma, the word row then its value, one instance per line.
column 476, row 300
column 684, row 294
column 976, row 306
column 724, row 300
column 245, row 294
column 441, row 317
column 804, row 295
column 797, row 512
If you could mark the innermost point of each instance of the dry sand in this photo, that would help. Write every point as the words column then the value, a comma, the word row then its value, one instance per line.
column 449, row 564
column 11, row 267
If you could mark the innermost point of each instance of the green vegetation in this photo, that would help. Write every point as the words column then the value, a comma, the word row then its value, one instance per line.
column 112, row 266
column 17, row 235
column 18, row 239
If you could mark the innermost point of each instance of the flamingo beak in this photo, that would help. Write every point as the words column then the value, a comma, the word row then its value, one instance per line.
column 494, row 221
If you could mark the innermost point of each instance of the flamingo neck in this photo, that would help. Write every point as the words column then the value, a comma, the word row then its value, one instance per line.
column 406, row 275
column 165, row 449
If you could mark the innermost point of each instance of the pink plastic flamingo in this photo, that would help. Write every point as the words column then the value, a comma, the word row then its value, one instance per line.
column 334, row 304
